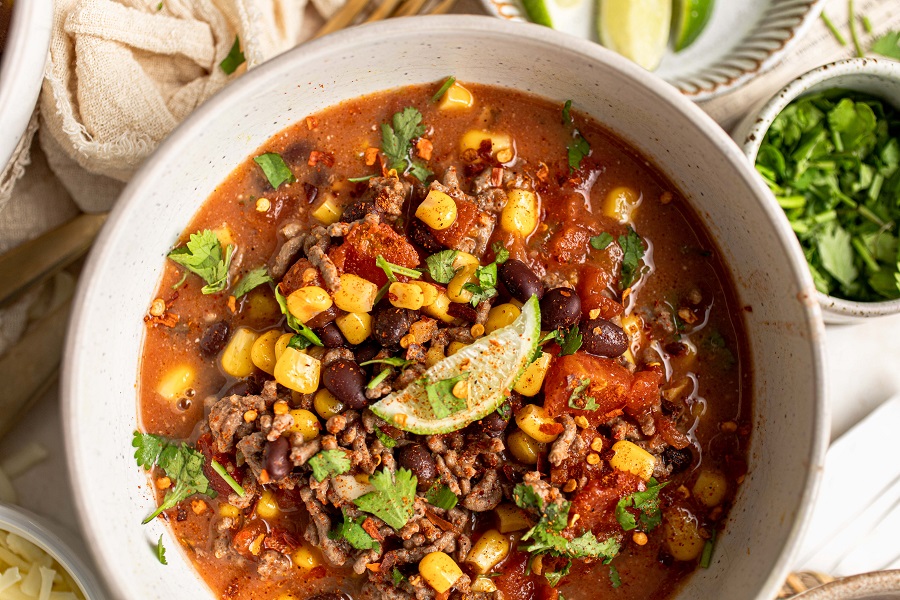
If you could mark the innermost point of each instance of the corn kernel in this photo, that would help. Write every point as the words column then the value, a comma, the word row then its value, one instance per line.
column 455, row 347
column 406, row 295
column 307, row 302
column 490, row 549
column 439, row 571
column 593, row 458
column 582, row 422
column 460, row 389
column 329, row 211
column 501, row 316
column 483, row 585
column 280, row 408
column 263, row 351
column 534, row 421
column 472, row 140
column 477, row 330
column 305, row 423
column 229, row 511
column 524, row 448
column 438, row 210
column 710, row 488
column 306, row 557
column 632, row 459
column 429, row 292
column 512, row 518
column 456, row 98
column 434, row 355
column 439, row 308
column 620, row 203
column 298, row 371
column 326, row 404
column 456, row 288
column 597, row 444
column 464, row 258
column 682, row 535
column 356, row 327
column 177, row 381
column 236, row 359
column 356, row 294
column 521, row 213
column 267, row 506
column 281, row 343
column 532, row 380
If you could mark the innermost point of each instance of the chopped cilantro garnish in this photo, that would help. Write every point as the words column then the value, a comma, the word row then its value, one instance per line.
column 632, row 253
column 578, row 148
column 161, row 551
column 441, row 496
column 393, row 499
column 396, row 142
column 358, row 179
column 440, row 396
column 486, row 288
column 250, row 280
column 203, row 256
column 378, row 379
column 397, row 577
column 888, row 45
column 554, row 577
column 329, row 463
column 352, row 531
column 228, row 478
column 646, row 503
column 566, row 113
column 390, row 268
column 386, row 440
column 181, row 463
column 443, row 89
column 235, row 56
column 569, row 340
column 440, row 265
column 602, row 241
column 298, row 342
column 394, row 361
column 614, row 578
column 708, row 547
column 294, row 323
column 275, row 169
column 579, row 401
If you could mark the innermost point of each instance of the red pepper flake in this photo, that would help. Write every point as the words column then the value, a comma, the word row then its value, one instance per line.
column 312, row 123
column 424, row 148
column 372, row 529
column 551, row 428
column 232, row 304
column 496, row 176
column 371, row 156
column 543, row 172
column 316, row 157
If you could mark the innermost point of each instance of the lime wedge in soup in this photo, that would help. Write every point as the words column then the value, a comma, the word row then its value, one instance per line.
column 636, row 29
column 537, row 12
column 691, row 17
column 468, row 385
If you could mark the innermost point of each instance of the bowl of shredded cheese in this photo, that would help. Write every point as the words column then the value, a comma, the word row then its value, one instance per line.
column 35, row 564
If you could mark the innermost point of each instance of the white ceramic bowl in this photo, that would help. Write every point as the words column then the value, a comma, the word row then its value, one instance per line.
column 35, row 530
column 881, row 585
column 22, row 70
column 876, row 76
column 774, row 285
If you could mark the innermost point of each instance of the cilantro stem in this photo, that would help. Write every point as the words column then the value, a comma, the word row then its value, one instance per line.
column 854, row 34
column 865, row 254
column 228, row 479
column 443, row 89
column 708, row 547
column 867, row 24
column 788, row 202
column 834, row 30
column 866, row 212
column 358, row 179
column 390, row 268
column 378, row 379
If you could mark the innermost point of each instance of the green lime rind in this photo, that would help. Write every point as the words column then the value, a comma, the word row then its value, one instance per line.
column 639, row 30
column 692, row 17
column 494, row 363
column 537, row 12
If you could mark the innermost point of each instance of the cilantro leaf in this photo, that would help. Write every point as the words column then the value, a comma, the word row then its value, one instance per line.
column 888, row 45
column 386, row 440
column 441, row 496
column 294, row 323
column 440, row 265
column 298, row 342
column 554, row 577
column 182, row 464
column 397, row 577
column 577, row 149
column 329, row 463
column 588, row 546
column 443, row 89
column 250, row 280
column 203, row 256
column 161, row 551
column 396, row 142
column 389, row 268
column 614, row 578
column 486, row 288
column 579, row 401
column 646, row 502
column 566, row 112
column 275, row 169
column 632, row 253
column 235, row 57
column 501, row 254
column 393, row 499
column 569, row 340
column 353, row 532
column 440, row 396
column 836, row 251
column 602, row 241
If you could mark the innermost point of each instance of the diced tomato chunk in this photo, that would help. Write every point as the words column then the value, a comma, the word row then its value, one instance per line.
column 569, row 244
column 592, row 282
column 362, row 245
column 596, row 502
column 513, row 582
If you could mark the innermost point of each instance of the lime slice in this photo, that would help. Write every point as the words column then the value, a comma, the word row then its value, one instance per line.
column 490, row 367
column 691, row 17
column 537, row 12
column 636, row 29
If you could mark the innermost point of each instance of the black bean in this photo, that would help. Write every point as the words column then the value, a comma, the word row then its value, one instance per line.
column 560, row 307
column 323, row 318
column 214, row 339
column 391, row 324
column 330, row 596
column 366, row 351
column 603, row 338
column 493, row 425
column 520, row 280
column 278, row 462
column 331, row 336
column 679, row 460
column 417, row 459
column 243, row 387
column 346, row 380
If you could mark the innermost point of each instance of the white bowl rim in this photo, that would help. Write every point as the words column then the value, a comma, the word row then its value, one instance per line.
column 30, row 526
column 856, row 587
column 75, row 363
column 880, row 67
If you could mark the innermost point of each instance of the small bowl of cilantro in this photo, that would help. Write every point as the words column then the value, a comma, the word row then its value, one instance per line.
column 828, row 146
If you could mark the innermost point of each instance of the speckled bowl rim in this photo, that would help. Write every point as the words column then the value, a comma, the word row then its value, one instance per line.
column 31, row 527
column 831, row 305
column 856, row 587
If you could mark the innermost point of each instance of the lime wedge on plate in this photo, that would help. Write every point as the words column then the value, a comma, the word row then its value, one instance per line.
column 636, row 29
column 489, row 367
column 537, row 12
column 691, row 17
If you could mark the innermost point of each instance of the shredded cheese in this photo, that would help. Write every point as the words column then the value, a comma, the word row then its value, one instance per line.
column 29, row 573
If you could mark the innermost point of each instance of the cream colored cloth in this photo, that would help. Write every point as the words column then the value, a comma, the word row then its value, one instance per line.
column 123, row 73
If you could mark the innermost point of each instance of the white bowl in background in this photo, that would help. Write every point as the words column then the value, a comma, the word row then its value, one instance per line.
column 874, row 76
column 22, row 62
column 102, row 352
column 35, row 530
column 880, row 585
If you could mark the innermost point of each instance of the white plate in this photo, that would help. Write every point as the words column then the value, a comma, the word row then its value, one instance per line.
column 742, row 39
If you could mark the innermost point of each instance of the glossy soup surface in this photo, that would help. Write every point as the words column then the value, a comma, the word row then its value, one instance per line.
column 680, row 390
